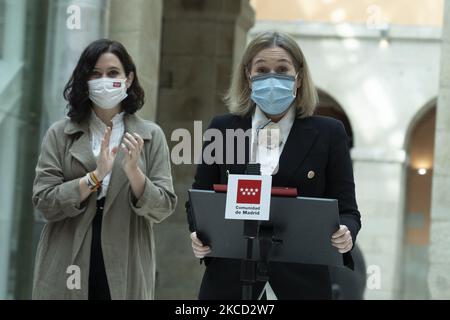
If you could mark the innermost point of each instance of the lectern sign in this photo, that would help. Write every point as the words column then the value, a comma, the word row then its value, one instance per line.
column 248, row 191
column 248, row 197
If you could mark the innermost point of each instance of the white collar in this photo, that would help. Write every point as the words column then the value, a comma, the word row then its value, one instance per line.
column 117, row 121
column 285, row 123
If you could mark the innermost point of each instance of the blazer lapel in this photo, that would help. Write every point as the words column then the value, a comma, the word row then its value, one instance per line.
column 81, row 148
column 245, row 124
column 300, row 140
column 119, row 179
column 299, row 143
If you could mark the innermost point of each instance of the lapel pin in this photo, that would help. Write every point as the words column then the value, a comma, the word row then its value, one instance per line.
column 311, row 174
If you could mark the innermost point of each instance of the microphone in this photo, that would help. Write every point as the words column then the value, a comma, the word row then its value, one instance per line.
column 254, row 147
column 251, row 226
column 253, row 168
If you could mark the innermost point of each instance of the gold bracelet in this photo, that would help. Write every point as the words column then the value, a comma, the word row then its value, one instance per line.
column 94, row 177
column 93, row 186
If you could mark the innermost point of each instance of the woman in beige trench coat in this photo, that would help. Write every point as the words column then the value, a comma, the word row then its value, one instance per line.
column 102, row 179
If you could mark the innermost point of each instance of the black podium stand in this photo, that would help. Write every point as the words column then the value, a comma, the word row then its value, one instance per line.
column 299, row 231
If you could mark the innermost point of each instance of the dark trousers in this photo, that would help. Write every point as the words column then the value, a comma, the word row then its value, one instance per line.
column 98, row 282
column 289, row 281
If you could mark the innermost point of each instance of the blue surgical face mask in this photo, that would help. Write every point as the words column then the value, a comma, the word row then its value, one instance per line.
column 273, row 93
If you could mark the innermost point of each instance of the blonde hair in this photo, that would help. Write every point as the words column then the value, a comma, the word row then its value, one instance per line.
column 238, row 97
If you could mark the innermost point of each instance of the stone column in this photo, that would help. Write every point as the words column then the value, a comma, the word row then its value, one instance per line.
column 201, row 41
column 439, row 254
column 137, row 25
column 379, row 191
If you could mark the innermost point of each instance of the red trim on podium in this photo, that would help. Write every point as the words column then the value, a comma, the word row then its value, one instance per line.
column 276, row 191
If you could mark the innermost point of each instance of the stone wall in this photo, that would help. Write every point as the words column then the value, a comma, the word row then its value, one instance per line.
column 137, row 24
column 201, row 39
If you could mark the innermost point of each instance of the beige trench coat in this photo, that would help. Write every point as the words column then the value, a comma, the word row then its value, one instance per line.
column 127, row 228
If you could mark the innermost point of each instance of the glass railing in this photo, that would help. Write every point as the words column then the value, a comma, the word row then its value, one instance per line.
column 2, row 25
column 12, row 42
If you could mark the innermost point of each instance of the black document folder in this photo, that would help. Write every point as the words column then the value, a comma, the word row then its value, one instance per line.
column 302, row 229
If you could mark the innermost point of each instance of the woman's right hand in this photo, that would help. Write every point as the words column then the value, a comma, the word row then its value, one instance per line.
column 106, row 158
column 200, row 251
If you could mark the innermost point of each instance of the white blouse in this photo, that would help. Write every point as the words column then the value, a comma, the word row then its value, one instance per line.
column 97, row 129
column 264, row 151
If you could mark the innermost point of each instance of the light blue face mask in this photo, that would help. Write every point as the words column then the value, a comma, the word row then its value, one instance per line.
column 273, row 93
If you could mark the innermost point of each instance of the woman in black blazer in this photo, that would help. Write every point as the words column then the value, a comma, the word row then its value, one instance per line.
column 273, row 83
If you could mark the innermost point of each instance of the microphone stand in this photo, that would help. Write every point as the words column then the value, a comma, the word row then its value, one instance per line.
column 251, row 227
column 252, row 270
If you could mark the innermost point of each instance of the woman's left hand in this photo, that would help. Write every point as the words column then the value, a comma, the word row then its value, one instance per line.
column 132, row 146
column 342, row 239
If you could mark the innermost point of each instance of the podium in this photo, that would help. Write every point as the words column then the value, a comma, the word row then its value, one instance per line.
column 299, row 229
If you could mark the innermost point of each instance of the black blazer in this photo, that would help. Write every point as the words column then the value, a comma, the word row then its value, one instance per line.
column 318, row 144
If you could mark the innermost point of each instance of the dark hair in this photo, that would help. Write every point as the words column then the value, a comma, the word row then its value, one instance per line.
column 76, row 90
